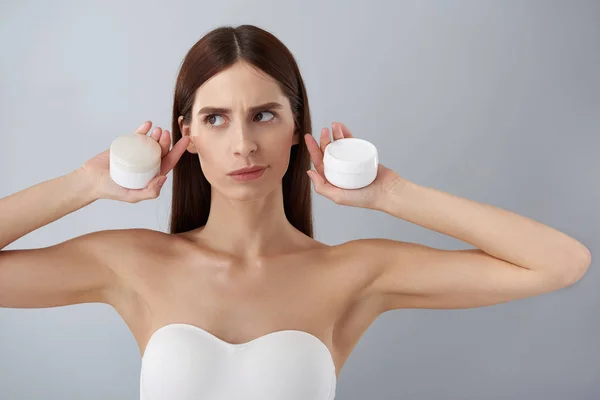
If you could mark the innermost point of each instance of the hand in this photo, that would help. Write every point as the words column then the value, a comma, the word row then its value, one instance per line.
column 366, row 197
column 96, row 170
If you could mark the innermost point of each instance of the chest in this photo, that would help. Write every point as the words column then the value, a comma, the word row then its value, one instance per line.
column 186, row 362
column 235, row 305
column 239, row 303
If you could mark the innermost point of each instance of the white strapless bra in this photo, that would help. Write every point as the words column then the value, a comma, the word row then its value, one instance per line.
column 185, row 362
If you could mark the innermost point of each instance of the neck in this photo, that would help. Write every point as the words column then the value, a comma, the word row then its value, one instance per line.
column 248, row 229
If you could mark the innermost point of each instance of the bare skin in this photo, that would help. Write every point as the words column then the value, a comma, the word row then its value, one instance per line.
column 248, row 271
column 238, row 284
column 177, row 278
column 153, row 279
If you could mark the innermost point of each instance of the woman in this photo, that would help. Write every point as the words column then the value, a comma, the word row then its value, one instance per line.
column 238, row 300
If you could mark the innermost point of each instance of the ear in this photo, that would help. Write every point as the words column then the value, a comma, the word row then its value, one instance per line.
column 185, row 131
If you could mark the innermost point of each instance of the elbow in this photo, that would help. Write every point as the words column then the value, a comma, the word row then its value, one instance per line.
column 578, row 268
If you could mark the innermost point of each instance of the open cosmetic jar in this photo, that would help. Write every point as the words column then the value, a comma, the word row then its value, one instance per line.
column 134, row 160
column 350, row 163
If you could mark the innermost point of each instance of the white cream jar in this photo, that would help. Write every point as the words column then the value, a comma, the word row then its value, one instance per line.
column 134, row 160
column 350, row 163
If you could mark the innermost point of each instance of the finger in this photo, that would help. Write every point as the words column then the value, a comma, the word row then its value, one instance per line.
column 169, row 161
column 325, row 139
column 156, row 133
column 324, row 188
column 344, row 130
column 165, row 142
column 316, row 155
column 154, row 187
column 144, row 128
column 336, row 131
column 151, row 191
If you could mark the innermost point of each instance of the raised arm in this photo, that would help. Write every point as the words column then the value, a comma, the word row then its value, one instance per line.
column 65, row 273
column 80, row 269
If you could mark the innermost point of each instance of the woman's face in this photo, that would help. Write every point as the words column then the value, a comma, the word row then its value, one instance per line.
column 241, row 118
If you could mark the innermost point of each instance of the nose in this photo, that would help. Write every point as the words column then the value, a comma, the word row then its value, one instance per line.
column 244, row 141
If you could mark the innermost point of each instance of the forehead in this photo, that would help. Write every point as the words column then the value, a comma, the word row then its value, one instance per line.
column 239, row 85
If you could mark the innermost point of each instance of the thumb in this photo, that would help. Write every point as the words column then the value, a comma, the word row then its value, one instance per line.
column 317, row 181
column 325, row 188
column 159, row 182
column 153, row 189
column 313, row 179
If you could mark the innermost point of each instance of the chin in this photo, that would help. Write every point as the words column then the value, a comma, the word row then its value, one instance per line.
column 248, row 191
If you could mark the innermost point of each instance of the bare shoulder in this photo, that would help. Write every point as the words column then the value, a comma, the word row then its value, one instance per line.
column 135, row 236
column 135, row 253
column 88, row 268
column 131, row 255
column 122, row 239
column 345, row 268
column 138, row 257
column 350, row 276
column 353, row 259
column 124, row 249
column 135, row 242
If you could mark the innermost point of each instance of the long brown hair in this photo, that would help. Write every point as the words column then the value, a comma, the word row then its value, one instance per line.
column 214, row 52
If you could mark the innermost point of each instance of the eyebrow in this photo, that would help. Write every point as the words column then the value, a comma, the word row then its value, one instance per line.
column 221, row 110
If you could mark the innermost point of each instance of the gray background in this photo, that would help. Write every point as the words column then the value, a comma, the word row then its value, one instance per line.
column 498, row 102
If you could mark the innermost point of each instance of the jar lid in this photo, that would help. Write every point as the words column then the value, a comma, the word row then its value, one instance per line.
column 136, row 151
column 351, row 155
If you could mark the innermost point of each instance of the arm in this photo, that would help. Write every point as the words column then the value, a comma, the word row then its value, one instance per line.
column 80, row 269
column 65, row 273
column 39, row 205
column 516, row 257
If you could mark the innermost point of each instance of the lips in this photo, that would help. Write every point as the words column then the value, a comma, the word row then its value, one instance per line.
column 246, row 170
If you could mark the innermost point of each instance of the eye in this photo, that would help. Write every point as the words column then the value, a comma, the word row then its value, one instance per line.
column 262, row 116
column 211, row 119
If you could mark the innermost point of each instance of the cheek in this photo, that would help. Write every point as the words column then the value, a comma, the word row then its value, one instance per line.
column 279, row 154
column 209, row 160
column 285, row 139
column 281, row 146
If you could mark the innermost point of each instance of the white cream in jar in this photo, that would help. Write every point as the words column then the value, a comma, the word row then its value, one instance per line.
column 350, row 163
column 134, row 160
